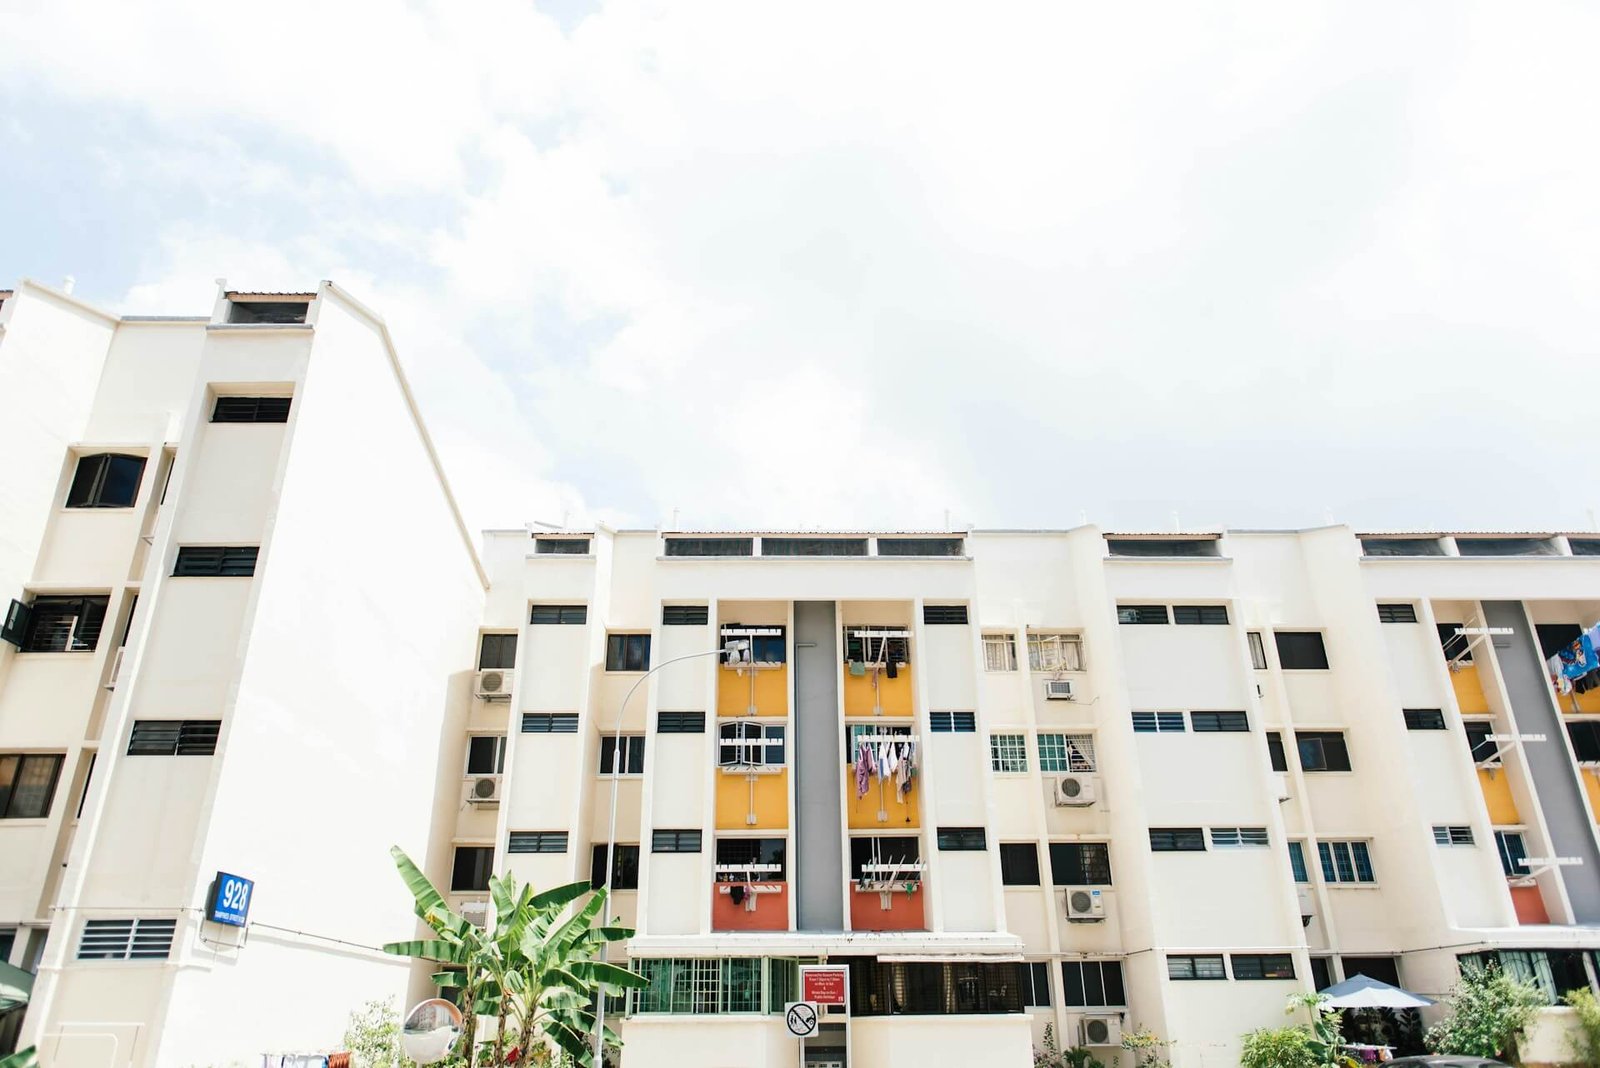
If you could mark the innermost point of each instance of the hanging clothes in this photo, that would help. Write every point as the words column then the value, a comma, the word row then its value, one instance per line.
column 857, row 668
column 892, row 670
column 866, row 768
column 1578, row 659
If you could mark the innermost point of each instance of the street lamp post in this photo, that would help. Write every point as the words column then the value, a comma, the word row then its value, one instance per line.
column 734, row 650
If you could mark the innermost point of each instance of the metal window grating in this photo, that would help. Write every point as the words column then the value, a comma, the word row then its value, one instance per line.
column 1218, row 722
column 1158, row 723
column 1192, row 966
column 680, row 723
column 227, row 561
column 1142, row 614
column 675, row 842
column 1397, row 613
column 952, row 722
column 546, row 614
column 549, row 723
column 1452, row 835
column 1424, row 719
column 251, row 410
column 1008, row 753
column 1210, row 615
column 142, row 939
column 944, row 614
column 1177, row 840
column 174, row 737
column 685, row 615
column 537, row 842
column 962, row 839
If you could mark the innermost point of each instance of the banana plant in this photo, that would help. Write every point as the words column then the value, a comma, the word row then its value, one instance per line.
column 534, row 970
column 23, row 1058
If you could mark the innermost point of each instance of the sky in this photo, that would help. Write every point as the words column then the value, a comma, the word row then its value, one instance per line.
column 837, row 266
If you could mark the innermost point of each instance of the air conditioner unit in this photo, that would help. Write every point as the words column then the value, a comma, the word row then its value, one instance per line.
column 485, row 790
column 116, row 666
column 1075, row 791
column 1059, row 690
column 495, row 684
column 475, row 912
column 1307, row 907
column 1085, row 906
column 1100, row 1030
column 1281, row 781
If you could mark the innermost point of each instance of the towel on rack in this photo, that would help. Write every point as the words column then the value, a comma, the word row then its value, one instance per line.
column 857, row 668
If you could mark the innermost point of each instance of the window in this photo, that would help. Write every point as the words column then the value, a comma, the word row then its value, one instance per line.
column 1066, row 752
column 1208, row 615
column 1238, row 837
column 28, row 784
column 1513, row 852
column 1080, row 864
column 1584, row 546
column 1158, row 723
column 1321, row 973
column 1452, row 835
column 1456, row 647
column 1008, row 753
column 1301, row 650
column 743, row 851
column 209, row 561
column 1424, row 719
column 486, row 754
column 685, row 615
column 1218, row 722
column 64, row 624
column 472, row 868
column 251, row 410
column 1258, row 651
column 1401, row 547
column 680, row 723
column 1553, row 971
column 749, row 744
column 497, row 651
column 1177, row 840
column 1345, row 862
column 944, row 614
column 962, row 839
column 868, row 644
column 1055, row 652
column 83, row 797
column 1275, row 751
column 710, row 546
column 1019, row 864
column 560, row 546
column 952, row 722
column 1263, row 966
column 1162, row 546
column 1297, row 862
column 1036, row 984
column 675, row 842
column 632, row 761
column 174, row 737
column 1092, row 984
column 568, row 614
column 999, row 652
column 920, row 546
column 537, row 842
column 1203, row 966
column 627, row 652
column 242, row 309
column 1142, row 614
column 106, row 480
column 624, row 867
column 1505, row 547
column 1585, row 736
column 765, row 648
column 126, row 939
column 549, row 723
column 1397, row 613
column 1478, row 743
column 885, row 850
column 854, row 732
column 684, row 986
column 813, row 546
column 884, row 988
column 1322, row 751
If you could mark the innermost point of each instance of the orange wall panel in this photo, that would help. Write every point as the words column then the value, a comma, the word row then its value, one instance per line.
column 734, row 801
column 771, row 686
column 771, row 911
column 894, row 694
column 1497, row 796
column 1591, row 787
column 905, row 911
column 1529, row 904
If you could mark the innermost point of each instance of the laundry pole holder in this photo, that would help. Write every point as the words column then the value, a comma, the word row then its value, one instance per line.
column 887, row 879
column 745, row 878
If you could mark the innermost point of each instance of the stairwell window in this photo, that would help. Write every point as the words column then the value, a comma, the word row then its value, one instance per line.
column 28, row 784
column 560, row 546
column 1142, row 614
column 1397, row 613
column 1158, row 723
column 1322, row 751
column 680, row 723
column 1219, row 722
column 962, row 839
column 174, row 737
column 1008, row 753
column 63, row 624
column 549, row 723
column 675, row 842
column 564, row 614
column 106, row 480
column 1066, row 752
column 1301, row 650
column 214, row 561
column 1055, row 652
column 685, row 615
column 1345, row 862
column 944, row 615
column 1200, row 615
column 632, row 761
column 1424, row 719
column 627, row 652
column 999, row 652
column 1239, row 838
column 1080, row 864
column 953, row 722
column 1196, row 966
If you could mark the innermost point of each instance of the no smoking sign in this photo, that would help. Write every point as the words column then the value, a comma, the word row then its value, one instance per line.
column 801, row 1017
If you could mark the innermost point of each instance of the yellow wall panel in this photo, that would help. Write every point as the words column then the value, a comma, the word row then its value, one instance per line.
column 894, row 694
column 1587, row 702
column 1469, row 690
column 863, row 811
column 771, row 687
column 1497, row 796
column 1591, row 786
column 771, row 802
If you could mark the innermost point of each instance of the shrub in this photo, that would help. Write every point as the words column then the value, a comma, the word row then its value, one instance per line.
column 1488, row 1010
column 1586, row 1043
column 373, row 1036
column 1283, row 1047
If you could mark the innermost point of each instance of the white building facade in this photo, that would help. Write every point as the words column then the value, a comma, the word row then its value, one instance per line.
column 1089, row 781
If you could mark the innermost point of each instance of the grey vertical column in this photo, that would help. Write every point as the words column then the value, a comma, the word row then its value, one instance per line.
column 818, row 868
column 1561, row 796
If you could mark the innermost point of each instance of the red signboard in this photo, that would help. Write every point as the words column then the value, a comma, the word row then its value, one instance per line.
column 825, row 984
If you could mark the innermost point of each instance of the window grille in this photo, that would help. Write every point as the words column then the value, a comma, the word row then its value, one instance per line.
column 1008, row 753
column 549, row 723
column 537, row 842
column 1158, row 722
column 999, row 652
column 1066, row 752
column 1238, row 837
column 141, row 939
column 1055, row 652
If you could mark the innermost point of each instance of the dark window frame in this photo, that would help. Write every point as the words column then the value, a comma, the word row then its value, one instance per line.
column 676, row 841
column 1262, row 966
column 174, row 737
column 554, row 546
column 628, row 652
column 685, row 615
column 1397, row 613
column 680, row 722
column 624, row 866
column 99, row 478
column 1019, row 864
column 216, row 561
column 1424, row 719
column 46, row 615
column 1332, row 749
column 549, row 723
column 946, row 547
column 1093, row 984
column 549, row 615
column 536, row 842
column 953, row 722
column 1177, row 840
column 1143, row 615
column 1080, row 864
column 1219, row 722
column 1200, row 615
column 1297, row 651
column 713, row 547
column 234, row 408
column 962, row 839
column 944, row 615
column 10, row 808
column 1186, row 967
column 497, row 646
column 632, row 754
column 470, row 869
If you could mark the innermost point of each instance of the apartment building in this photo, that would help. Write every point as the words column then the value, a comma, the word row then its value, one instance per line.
column 1081, row 779
column 241, row 617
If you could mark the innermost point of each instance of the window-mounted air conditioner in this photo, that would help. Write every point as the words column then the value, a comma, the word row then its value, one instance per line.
column 1059, row 690
column 1100, row 1030
column 1075, row 791
column 475, row 912
column 1307, row 906
column 494, row 684
column 1085, row 906
column 485, row 790
column 116, row 667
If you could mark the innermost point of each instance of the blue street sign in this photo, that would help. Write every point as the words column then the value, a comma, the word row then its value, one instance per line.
column 230, row 899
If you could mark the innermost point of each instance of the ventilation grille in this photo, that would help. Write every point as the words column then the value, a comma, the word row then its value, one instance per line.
column 127, row 939
column 944, row 614
column 537, row 842
column 251, row 410
column 173, row 737
column 681, row 723
column 549, row 723
column 685, row 615
column 230, row 561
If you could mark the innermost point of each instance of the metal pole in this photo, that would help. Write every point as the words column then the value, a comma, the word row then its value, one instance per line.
column 611, row 832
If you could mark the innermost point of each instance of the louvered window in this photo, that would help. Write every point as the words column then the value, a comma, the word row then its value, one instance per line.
column 1424, row 719
column 813, row 546
column 1452, row 835
column 952, row 722
column 227, row 561
column 251, row 410
column 560, row 546
column 675, row 841
column 105, row 480
column 174, row 737
column 685, row 615
column 64, row 624
column 1218, row 722
column 940, row 614
column 1146, row 614
column 709, row 546
column 1177, row 840
column 1209, row 615
column 549, row 723
column 1158, row 723
column 537, row 842
column 1196, row 966
column 680, row 723
column 1263, row 966
column 1238, row 837
column 920, row 546
column 571, row 614
column 962, row 839
column 126, row 939
column 1397, row 613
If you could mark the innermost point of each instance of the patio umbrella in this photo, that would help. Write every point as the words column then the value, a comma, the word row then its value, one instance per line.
column 1361, row 992
column 16, row 987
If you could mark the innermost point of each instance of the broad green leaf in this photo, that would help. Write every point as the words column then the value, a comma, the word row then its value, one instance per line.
column 426, row 894
column 601, row 972
column 447, row 952
column 23, row 1058
column 563, row 895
